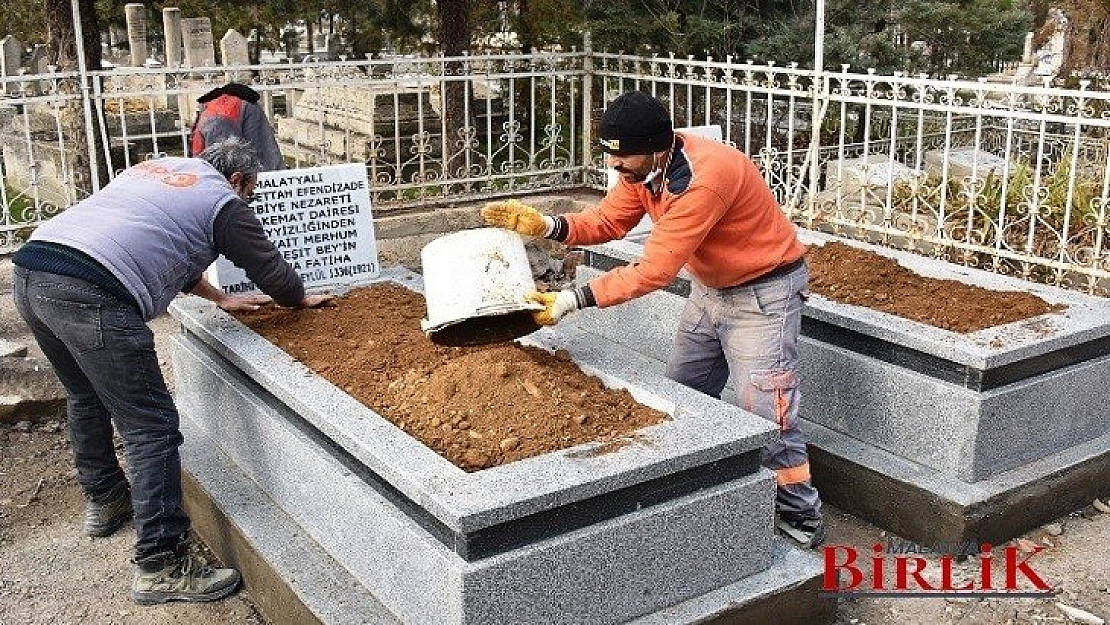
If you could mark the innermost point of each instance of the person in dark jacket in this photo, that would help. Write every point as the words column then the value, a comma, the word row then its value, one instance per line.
column 232, row 111
column 87, row 282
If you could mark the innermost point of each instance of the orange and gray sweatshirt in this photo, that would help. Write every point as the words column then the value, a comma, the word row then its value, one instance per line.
column 713, row 214
column 233, row 111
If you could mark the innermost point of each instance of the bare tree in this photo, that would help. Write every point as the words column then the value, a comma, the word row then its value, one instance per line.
column 454, row 38
column 61, row 43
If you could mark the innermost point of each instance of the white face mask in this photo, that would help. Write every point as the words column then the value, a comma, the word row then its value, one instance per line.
column 655, row 171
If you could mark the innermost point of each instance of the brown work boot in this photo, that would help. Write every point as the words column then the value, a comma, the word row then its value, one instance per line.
column 104, row 519
column 181, row 576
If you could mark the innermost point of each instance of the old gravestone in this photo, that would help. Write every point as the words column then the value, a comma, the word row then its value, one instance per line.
column 964, row 163
column 11, row 56
column 171, row 27
column 116, row 35
column 38, row 64
column 196, row 35
column 136, row 32
column 234, row 53
column 320, row 219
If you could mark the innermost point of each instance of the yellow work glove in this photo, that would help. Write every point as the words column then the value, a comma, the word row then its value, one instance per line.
column 516, row 216
column 556, row 305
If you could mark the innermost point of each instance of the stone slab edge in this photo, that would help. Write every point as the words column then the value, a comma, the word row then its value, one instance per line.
column 734, row 539
column 11, row 349
column 703, row 430
column 1085, row 320
column 291, row 579
column 924, row 505
column 784, row 594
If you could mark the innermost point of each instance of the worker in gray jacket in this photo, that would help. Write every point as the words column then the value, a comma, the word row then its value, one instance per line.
column 87, row 282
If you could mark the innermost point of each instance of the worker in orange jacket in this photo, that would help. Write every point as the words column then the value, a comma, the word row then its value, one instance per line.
column 713, row 214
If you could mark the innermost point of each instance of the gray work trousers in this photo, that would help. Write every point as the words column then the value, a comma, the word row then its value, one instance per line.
column 752, row 333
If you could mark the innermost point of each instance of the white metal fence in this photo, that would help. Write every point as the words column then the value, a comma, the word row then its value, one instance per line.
column 1013, row 179
column 1010, row 178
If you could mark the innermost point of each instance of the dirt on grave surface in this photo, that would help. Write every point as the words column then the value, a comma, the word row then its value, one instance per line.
column 476, row 406
column 51, row 573
column 851, row 275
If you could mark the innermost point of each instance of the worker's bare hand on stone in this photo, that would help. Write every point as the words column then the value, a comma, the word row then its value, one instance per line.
column 517, row 216
column 556, row 306
column 318, row 301
column 240, row 303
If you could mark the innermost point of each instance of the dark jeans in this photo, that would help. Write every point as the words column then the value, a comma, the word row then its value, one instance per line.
column 103, row 353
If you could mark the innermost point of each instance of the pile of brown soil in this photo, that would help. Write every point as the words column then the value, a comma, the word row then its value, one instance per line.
column 476, row 406
column 850, row 275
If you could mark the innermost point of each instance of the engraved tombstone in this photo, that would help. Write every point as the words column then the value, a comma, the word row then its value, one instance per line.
column 136, row 32
column 196, row 35
column 11, row 56
column 234, row 52
column 171, row 26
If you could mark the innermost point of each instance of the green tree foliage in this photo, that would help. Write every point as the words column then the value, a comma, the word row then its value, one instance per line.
column 960, row 36
column 861, row 36
column 763, row 30
column 361, row 22
column 25, row 20
column 968, row 37
column 707, row 27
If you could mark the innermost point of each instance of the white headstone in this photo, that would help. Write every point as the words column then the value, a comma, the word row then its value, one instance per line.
column 1027, row 51
column 196, row 35
column 171, row 27
column 11, row 57
column 234, row 53
column 965, row 162
column 320, row 219
column 136, row 32
column 875, row 173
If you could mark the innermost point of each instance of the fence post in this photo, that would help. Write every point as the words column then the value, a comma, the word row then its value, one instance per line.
column 819, row 96
column 587, row 105
column 83, row 74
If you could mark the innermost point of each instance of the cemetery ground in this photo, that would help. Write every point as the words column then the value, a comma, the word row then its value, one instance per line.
column 50, row 572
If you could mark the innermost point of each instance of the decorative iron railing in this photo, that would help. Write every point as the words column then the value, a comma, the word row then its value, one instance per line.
column 1011, row 178
column 1015, row 179
column 40, row 162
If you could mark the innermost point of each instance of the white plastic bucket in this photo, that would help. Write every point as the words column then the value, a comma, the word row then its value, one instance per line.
column 474, row 287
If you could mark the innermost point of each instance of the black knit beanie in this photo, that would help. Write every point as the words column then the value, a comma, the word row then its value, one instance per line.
column 635, row 123
column 238, row 90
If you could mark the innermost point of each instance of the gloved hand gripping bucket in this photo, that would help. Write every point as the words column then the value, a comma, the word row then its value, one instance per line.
column 474, row 287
